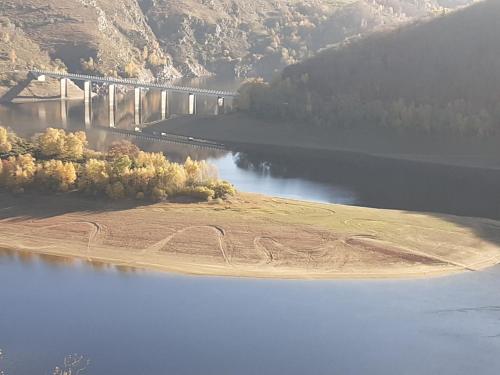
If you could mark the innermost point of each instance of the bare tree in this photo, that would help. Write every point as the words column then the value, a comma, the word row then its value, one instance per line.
column 73, row 364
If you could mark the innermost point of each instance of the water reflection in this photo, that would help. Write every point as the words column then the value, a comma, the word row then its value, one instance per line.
column 59, row 261
column 334, row 177
column 30, row 118
column 157, row 323
column 384, row 183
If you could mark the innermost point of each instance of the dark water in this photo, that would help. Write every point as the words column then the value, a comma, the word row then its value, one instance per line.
column 146, row 323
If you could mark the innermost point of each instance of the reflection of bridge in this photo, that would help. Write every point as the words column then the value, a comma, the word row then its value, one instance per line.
column 139, row 87
column 168, row 138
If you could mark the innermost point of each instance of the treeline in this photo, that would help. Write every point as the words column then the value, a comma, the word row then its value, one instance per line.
column 60, row 162
column 435, row 76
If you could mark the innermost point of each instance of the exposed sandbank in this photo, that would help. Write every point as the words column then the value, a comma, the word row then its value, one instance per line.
column 250, row 236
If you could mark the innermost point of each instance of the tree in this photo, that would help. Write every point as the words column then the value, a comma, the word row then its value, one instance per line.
column 18, row 172
column 56, row 143
column 5, row 145
column 94, row 177
column 131, row 70
column 122, row 148
column 56, row 175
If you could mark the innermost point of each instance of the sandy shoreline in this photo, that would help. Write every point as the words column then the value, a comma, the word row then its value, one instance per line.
column 250, row 236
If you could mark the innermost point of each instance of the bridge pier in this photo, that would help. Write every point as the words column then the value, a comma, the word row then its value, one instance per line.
column 164, row 104
column 191, row 104
column 138, row 105
column 87, row 98
column 87, row 91
column 63, row 83
column 64, row 113
column 112, row 104
column 219, row 108
column 88, row 114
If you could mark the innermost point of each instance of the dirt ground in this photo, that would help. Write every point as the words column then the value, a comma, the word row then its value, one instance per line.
column 249, row 236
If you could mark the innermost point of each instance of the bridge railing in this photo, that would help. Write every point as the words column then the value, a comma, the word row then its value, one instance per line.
column 135, row 83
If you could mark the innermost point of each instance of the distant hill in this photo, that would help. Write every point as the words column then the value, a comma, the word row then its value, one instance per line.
column 172, row 38
column 440, row 75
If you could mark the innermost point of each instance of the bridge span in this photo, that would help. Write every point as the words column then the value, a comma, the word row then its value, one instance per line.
column 139, row 87
column 133, row 83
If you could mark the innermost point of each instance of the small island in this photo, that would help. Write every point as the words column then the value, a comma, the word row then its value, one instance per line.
column 137, row 209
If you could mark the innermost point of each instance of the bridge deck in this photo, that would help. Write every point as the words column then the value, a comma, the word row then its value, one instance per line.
column 135, row 83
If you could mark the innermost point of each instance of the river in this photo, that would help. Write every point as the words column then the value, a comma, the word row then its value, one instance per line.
column 135, row 322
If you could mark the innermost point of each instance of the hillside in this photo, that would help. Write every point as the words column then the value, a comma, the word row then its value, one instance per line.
column 436, row 76
column 166, row 39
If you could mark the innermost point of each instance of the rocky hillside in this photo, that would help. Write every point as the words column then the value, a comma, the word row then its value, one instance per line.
column 168, row 39
column 109, row 37
column 260, row 37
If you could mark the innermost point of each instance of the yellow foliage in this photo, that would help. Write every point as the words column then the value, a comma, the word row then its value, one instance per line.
column 94, row 177
column 131, row 70
column 124, row 171
column 18, row 172
column 155, row 160
column 198, row 172
column 5, row 145
column 56, row 175
column 56, row 143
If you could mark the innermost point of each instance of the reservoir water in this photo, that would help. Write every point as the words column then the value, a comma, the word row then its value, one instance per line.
column 132, row 322
column 135, row 322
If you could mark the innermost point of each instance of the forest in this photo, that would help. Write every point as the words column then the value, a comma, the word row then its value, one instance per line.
column 56, row 161
column 434, row 76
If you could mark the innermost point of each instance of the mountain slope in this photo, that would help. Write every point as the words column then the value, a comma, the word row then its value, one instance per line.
column 166, row 38
column 113, row 33
column 263, row 36
column 438, row 75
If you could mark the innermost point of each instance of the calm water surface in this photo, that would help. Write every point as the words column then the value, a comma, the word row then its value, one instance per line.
column 147, row 323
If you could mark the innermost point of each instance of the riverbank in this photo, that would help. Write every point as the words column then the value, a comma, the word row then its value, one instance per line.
column 239, row 130
column 250, row 236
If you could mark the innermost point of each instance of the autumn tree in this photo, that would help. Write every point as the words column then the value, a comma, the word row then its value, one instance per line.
column 94, row 176
column 131, row 70
column 18, row 172
column 5, row 145
column 121, row 148
column 56, row 143
column 56, row 175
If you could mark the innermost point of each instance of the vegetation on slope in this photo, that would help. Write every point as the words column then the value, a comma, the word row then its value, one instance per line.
column 165, row 39
column 60, row 162
column 436, row 76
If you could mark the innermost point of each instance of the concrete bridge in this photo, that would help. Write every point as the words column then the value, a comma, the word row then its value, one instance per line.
column 139, row 87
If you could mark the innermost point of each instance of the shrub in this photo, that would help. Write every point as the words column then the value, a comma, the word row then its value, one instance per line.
column 200, row 192
column 222, row 189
